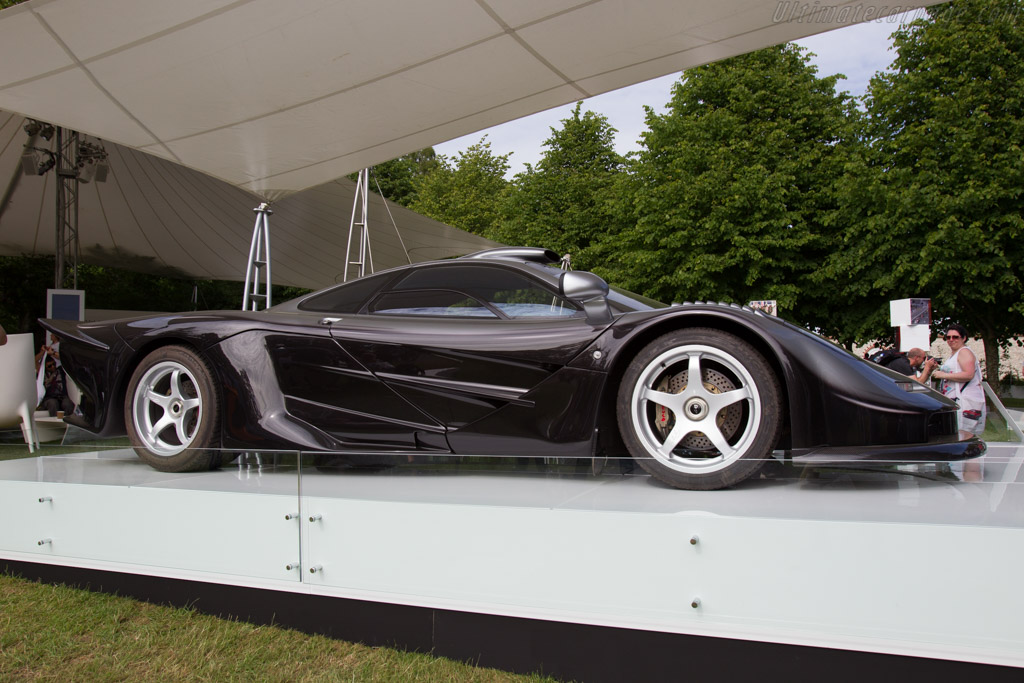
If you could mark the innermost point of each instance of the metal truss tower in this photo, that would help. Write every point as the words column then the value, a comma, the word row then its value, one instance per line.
column 67, row 250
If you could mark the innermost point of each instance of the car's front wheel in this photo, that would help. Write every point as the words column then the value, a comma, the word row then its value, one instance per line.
column 172, row 411
column 705, row 434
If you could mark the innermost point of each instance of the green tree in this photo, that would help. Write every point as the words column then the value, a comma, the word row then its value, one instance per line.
column 733, row 191
column 467, row 194
column 23, row 284
column 568, row 200
column 941, row 201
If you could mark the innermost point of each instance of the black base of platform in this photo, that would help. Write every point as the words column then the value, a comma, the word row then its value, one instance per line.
column 562, row 650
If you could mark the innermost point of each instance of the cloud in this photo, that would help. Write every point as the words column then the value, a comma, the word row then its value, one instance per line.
column 857, row 51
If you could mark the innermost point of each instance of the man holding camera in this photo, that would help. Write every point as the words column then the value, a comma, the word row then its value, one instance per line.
column 908, row 364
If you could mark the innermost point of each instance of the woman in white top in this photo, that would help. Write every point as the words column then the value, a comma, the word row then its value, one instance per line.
column 961, row 381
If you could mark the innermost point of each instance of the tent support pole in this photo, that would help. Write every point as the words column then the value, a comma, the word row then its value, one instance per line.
column 259, row 261
column 364, row 256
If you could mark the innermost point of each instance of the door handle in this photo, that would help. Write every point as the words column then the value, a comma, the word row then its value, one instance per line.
column 329, row 321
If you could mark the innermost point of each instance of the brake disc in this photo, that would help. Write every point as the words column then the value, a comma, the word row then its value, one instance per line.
column 728, row 419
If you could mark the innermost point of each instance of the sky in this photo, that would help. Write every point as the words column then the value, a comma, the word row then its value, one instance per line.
column 856, row 51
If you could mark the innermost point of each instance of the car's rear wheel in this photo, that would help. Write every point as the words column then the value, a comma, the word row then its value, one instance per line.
column 707, row 434
column 172, row 411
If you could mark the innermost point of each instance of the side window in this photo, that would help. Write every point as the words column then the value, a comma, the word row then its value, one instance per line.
column 515, row 295
column 346, row 298
column 430, row 302
column 531, row 302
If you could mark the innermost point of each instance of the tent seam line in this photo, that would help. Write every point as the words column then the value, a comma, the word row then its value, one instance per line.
column 99, row 86
column 514, row 34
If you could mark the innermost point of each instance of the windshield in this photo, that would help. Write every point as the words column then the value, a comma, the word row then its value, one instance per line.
column 621, row 300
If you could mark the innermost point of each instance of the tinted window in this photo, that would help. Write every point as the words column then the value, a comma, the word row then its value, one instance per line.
column 346, row 298
column 513, row 294
column 430, row 302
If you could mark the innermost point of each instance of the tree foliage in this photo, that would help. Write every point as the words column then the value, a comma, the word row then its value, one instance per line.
column 467, row 193
column 939, row 186
column 569, row 199
column 734, row 186
column 23, row 284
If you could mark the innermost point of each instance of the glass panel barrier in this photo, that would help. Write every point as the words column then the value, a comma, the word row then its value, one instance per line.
column 97, row 501
column 815, row 486
column 810, row 553
column 801, row 546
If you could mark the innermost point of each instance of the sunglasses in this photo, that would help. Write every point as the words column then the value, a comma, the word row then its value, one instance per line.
column 952, row 336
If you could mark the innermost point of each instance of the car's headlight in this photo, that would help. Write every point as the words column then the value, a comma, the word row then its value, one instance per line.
column 913, row 385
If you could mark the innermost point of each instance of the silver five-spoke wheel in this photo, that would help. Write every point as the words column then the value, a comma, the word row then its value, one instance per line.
column 172, row 411
column 698, row 426
column 699, row 409
column 167, row 408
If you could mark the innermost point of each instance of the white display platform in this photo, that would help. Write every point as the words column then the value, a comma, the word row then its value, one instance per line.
column 887, row 562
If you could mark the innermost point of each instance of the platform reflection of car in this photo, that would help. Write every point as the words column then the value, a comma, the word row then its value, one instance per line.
column 498, row 353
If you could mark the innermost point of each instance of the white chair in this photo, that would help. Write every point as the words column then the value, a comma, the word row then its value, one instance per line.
column 18, row 386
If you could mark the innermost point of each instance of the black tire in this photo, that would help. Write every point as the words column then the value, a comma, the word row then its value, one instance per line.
column 172, row 411
column 702, row 437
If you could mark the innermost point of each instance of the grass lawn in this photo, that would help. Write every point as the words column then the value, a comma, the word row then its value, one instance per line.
column 56, row 633
column 996, row 428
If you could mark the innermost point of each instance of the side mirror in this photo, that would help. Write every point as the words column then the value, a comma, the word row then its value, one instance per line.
column 590, row 291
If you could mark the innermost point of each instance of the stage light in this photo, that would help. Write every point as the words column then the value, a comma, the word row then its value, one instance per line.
column 29, row 162
column 89, row 170
column 49, row 163
column 92, row 162
column 86, row 170
column 33, row 161
column 40, row 128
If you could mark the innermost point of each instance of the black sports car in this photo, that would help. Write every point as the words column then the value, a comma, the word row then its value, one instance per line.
column 498, row 353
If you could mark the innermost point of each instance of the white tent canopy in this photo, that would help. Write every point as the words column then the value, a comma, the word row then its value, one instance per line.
column 275, row 97
column 156, row 216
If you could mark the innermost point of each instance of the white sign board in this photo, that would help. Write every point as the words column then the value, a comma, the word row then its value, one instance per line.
column 769, row 306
